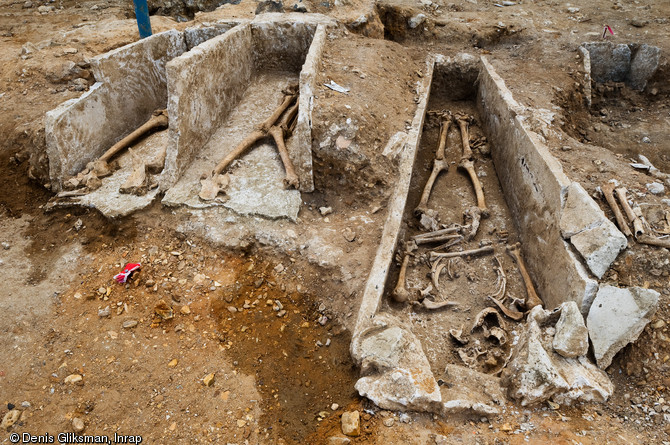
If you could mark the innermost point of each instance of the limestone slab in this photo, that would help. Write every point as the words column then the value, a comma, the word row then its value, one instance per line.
column 617, row 317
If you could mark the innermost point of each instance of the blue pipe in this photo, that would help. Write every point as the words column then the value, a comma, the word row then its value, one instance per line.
column 142, row 15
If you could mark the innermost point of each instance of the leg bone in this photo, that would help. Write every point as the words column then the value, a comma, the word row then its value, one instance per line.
column 532, row 299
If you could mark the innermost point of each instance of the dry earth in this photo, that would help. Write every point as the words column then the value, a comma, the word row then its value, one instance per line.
column 274, row 328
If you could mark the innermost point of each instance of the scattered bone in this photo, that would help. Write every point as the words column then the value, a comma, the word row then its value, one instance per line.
column 480, row 251
column 434, row 305
column 451, row 243
column 485, row 314
column 427, row 291
column 471, row 360
column 499, row 297
column 261, row 131
column 457, row 334
column 532, row 299
column 652, row 241
column 400, row 293
column 637, row 223
column 473, row 216
column 436, row 236
column 608, row 192
column 467, row 163
column 435, row 272
column 499, row 334
column 450, row 269
column 211, row 187
column 439, row 163
column 279, row 133
column 102, row 167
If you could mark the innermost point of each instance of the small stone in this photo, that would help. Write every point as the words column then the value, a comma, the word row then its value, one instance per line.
column 241, row 423
column 5, row 245
column 10, row 419
column 185, row 310
column 349, row 234
column 173, row 363
column 639, row 23
column 163, row 310
column 656, row 188
column 232, row 309
column 416, row 21
column 338, row 440
column 405, row 418
column 334, row 406
column 566, row 148
column 103, row 313
column 323, row 320
column 572, row 337
column 45, row 9
column 281, row 313
column 150, row 283
column 279, row 268
column 573, row 10
column 325, row 210
column 25, row 404
column 351, row 423
column 78, row 425
column 77, row 296
column 658, row 324
column 506, row 428
column 129, row 324
column 28, row 4
column 208, row 380
column 70, row 51
column 73, row 379
column 102, row 290
column 646, row 140
column 389, row 421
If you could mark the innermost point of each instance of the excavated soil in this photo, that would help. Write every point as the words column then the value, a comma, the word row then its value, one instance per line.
column 273, row 383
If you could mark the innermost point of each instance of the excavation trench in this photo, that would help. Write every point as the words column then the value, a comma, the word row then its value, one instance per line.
column 437, row 341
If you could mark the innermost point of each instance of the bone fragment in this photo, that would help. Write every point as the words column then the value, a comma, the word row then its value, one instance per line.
column 652, row 241
column 608, row 192
column 532, row 299
column 474, row 214
column 480, row 318
column 457, row 334
column 480, row 251
column 435, row 272
column 437, row 236
column 638, row 227
column 400, row 293
column 434, row 305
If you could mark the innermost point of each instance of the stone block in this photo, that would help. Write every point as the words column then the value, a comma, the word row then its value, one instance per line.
column 617, row 317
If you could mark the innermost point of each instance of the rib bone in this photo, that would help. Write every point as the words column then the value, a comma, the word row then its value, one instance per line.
column 439, row 164
column 499, row 297
column 532, row 299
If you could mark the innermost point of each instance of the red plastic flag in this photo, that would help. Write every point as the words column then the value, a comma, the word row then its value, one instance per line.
column 127, row 272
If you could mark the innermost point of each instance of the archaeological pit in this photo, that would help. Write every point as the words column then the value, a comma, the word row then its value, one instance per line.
column 406, row 206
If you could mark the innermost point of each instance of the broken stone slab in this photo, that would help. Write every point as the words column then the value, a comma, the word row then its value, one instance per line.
column 617, row 317
column 467, row 390
column 396, row 372
column 572, row 338
column 643, row 66
column 594, row 236
column 537, row 373
column 609, row 61
column 195, row 35
column 632, row 63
